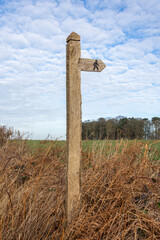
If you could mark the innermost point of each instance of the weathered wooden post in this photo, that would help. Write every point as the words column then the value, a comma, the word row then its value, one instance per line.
column 73, row 86
column 74, row 65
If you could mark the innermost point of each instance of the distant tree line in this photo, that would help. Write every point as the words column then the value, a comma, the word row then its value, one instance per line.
column 121, row 127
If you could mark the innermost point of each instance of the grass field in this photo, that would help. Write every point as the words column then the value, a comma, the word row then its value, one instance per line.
column 89, row 144
column 120, row 191
column 104, row 146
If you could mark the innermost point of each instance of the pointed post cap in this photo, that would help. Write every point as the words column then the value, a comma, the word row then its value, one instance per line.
column 73, row 36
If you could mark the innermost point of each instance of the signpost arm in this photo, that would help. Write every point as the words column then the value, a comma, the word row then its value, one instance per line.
column 73, row 92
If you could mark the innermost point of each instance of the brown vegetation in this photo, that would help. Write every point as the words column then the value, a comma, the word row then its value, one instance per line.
column 5, row 134
column 120, row 194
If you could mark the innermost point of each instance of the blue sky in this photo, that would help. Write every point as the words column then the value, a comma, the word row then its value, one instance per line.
column 125, row 34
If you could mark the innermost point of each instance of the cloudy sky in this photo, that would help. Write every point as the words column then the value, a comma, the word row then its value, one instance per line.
column 125, row 34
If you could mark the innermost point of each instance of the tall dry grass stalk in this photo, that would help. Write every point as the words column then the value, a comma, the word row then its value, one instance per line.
column 120, row 194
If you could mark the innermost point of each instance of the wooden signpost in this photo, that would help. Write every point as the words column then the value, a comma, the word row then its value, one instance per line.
column 74, row 65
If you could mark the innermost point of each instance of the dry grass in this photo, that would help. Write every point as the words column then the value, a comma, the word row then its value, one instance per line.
column 120, row 194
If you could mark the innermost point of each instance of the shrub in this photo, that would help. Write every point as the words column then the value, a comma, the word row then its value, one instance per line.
column 5, row 134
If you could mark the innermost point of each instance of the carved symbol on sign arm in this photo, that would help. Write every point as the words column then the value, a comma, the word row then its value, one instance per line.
column 95, row 65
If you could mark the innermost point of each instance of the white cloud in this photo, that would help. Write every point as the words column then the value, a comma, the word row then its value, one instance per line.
column 124, row 34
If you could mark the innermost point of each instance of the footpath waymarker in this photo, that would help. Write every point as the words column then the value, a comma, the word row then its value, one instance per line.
column 91, row 65
column 74, row 65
